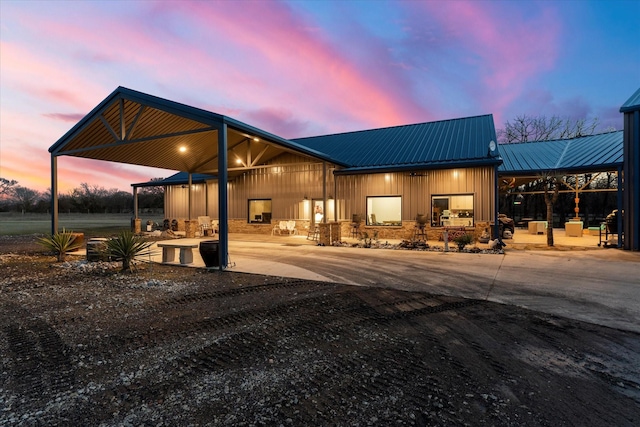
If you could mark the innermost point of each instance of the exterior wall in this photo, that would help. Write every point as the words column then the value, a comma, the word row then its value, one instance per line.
column 416, row 190
column 286, row 184
column 176, row 201
column 293, row 178
column 631, row 194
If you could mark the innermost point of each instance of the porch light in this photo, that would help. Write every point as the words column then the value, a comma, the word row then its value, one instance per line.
column 182, row 149
column 238, row 161
column 256, row 139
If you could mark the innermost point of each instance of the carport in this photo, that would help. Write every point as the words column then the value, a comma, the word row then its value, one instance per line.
column 140, row 129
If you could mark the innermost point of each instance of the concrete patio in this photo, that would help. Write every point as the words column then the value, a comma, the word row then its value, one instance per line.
column 576, row 279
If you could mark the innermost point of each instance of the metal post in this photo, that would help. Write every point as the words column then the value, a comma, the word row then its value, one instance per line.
column 135, row 202
column 54, row 194
column 223, row 208
column 496, row 207
column 189, row 194
column 324, row 192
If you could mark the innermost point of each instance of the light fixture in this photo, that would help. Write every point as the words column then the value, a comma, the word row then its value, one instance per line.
column 182, row 149
column 518, row 200
column 305, row 197
column 238, row 161
column 256, row 139
column 455, row 174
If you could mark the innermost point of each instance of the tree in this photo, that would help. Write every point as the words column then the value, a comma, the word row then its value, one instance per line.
column 25, row 198
column 527, row 128
column 6, row 187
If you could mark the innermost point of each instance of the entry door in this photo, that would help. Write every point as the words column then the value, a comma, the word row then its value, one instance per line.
column 317, row 211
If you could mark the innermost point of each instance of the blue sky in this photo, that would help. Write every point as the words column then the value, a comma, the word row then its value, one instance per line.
column 302, row 68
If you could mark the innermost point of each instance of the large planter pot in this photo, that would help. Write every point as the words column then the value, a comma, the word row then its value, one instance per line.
column 209, row 251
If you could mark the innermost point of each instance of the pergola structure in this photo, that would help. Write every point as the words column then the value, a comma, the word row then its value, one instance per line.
column 524, row 162
column 140, row 129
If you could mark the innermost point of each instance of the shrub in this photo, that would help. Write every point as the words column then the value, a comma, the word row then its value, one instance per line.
column 60, row 243
column 126, row 247
column 463, row 240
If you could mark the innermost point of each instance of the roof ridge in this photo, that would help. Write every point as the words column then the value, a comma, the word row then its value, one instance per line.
column 392, row 127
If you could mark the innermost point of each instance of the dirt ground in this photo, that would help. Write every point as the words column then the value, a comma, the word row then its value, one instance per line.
column 82, row 344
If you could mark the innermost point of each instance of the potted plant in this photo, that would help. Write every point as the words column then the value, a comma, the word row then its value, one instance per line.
column 463, row 240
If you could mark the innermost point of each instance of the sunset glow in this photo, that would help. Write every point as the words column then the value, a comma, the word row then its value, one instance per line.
column 298, row 68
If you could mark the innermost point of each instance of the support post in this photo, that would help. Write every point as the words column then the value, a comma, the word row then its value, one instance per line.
column 324, row 192
column 496, row 205
column 54, row 194
column 223, row 208
column 135, row 202
column 189, row 195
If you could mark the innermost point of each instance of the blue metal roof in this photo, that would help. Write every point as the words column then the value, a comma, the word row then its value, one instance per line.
column 583, row 154
column 447, row 143
column 632, row 103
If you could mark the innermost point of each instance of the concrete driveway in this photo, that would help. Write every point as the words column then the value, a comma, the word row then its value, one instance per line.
column 600, row 286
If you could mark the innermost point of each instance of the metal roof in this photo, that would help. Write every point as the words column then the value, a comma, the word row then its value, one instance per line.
column 177, row 179
column 136, row 128
column 583, row 154
column 632, row 104
column 447, row 143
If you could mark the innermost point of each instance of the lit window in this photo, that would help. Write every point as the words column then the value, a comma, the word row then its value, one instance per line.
column 452, row 210
column 384, row 210
column 260, row 211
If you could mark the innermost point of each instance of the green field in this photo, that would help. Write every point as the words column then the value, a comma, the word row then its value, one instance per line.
column 12, row 223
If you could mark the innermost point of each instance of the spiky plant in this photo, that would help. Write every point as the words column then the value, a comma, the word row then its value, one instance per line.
column 60, row 243
column 126, row 246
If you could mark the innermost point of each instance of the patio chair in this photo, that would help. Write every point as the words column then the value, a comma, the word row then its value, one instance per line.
column 282, row 226
column 291, row 227
column 204, row 223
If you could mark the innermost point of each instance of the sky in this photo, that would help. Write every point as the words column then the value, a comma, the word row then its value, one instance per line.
column 304, row 68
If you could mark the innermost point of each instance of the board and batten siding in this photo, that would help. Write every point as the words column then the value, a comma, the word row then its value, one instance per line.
column 416, row 190
column 286, row 183
column 176, row 201
column 292, row 178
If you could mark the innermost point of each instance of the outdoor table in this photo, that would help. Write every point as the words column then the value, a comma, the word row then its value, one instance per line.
column 537, row 227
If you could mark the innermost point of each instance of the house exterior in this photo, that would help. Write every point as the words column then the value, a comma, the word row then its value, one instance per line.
column 442, row 171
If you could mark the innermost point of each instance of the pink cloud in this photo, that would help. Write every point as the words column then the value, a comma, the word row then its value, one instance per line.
column 319, row 76
column 507, row 49
column 73, row 118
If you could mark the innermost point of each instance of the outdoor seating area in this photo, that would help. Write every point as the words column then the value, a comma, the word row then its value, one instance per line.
column 288, row 227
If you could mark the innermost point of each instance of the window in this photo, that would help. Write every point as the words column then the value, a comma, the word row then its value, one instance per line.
column 454, row 210
column 384, row 210
column 260, row 211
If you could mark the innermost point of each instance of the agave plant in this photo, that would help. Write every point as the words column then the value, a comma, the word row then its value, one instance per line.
column 60, row 243
column 127, row 246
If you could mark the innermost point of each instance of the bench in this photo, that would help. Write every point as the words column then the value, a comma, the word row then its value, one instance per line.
column 169, row 252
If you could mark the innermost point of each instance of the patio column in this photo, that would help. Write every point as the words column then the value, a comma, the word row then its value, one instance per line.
column 135, row 202
column 324, row 192
column 620, row 208
column 54, row 194
column 189, row 195
column 496, row 204
column 223, row 208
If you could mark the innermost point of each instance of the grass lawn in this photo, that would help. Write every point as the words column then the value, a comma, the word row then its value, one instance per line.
column 12, row 223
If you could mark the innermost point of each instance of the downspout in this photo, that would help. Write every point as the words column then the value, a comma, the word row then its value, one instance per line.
column 54, row 194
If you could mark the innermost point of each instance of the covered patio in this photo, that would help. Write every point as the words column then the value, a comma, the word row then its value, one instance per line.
column 140, row 129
